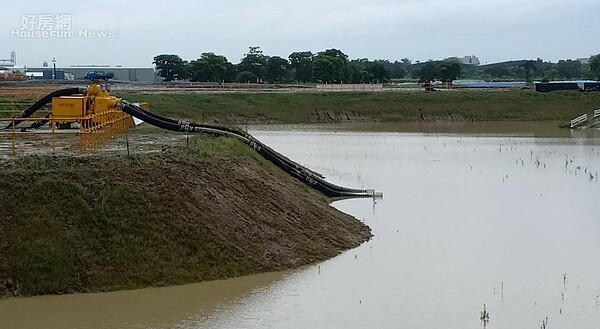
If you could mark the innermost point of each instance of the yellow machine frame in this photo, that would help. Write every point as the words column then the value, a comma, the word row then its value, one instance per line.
column 97, row 113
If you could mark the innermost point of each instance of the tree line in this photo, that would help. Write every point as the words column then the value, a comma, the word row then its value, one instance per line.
column 329, row 66
column 540, row 70
column 333, row 66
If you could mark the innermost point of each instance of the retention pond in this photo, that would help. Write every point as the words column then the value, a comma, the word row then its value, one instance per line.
column 501, row 214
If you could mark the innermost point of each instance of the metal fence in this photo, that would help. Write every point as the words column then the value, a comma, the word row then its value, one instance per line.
column 350, row 87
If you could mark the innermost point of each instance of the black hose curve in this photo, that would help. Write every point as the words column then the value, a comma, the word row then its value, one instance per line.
column 43, row 101
column 264, row 150
column 292, row 168
column 44, row 120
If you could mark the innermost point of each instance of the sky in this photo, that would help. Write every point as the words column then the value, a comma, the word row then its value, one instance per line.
column 131, row 33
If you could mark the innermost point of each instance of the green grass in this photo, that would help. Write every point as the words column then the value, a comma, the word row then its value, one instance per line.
column 517, row 105
column 107, row 237
column 188, row 214
column 9, row 106
column 59, row 220
column 200, row 149
column 305, row 107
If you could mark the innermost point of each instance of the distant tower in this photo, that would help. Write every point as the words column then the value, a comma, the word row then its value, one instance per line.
column 12, row 61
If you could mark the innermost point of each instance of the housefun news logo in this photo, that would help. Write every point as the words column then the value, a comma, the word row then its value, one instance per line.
column 56, row 26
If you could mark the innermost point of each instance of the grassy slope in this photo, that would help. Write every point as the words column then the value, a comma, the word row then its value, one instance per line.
column 11, row 106
column 509, row 105
column 398, row 106
column 215, row 210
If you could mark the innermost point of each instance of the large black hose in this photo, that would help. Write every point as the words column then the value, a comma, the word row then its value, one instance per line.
column 44, row 120
column 279, row 160
column 294, row 169
column 260, row 147
column 43, row 101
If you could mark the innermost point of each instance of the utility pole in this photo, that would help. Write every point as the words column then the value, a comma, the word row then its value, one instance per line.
column 54, row 68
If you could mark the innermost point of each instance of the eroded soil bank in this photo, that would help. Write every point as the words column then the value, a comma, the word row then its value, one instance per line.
column 212, row 210
column 417, row 106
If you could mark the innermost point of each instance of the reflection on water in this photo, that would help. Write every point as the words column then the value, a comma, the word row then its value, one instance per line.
column 469, row 219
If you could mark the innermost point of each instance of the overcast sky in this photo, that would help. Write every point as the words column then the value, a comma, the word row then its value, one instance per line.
column 493, row 30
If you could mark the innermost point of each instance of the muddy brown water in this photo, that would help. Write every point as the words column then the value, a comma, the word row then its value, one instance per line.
column 505, row 215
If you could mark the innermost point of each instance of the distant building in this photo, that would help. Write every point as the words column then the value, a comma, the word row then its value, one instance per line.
column 128, row 74
column 585, row 60
column 131, row 74
column 9, row 62
column 470, row 60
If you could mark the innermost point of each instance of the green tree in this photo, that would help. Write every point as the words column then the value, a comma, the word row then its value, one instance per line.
column 448, row 70
column 276, row 69
column 246, row 77
column 357, row 71
column 551, row 75
column 231, row 72
column 586, row 72
column 541, row 67
column 497, row 71
column 518, row 72
column 395, row 70
column 170, row 67
column 302, row 63
column 324, row 69
column 254, row 61
column 377, row 72
column 569, row 69
column 330, row 67
column 336, row 54
column 595, row 66
column 415, row 74
column 429, row 72
column 530, row 68
column 209, row 67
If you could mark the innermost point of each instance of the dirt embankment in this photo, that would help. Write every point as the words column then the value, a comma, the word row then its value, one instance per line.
column 211, row 211
column 454, row 106
column 353, row 116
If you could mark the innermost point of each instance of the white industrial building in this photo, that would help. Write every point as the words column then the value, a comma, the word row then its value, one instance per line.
column 127, row 74
column 470, row 60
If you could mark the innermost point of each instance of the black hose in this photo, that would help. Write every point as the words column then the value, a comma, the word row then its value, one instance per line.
column 137, row 112
column 44, row 120
column 154, row 115
column 292, row 168
column 134, row 111
column 289, row 166
column 261, row 148
column 43, row 101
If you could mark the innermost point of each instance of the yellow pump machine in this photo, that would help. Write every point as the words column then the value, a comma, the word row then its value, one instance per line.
column 97, row 113
column 102, row 117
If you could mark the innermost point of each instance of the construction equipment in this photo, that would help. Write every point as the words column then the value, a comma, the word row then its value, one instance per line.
column 96, row 112
column 101, row 117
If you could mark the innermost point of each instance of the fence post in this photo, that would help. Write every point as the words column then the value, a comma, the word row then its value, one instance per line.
column 14, row 136
column 53, row 143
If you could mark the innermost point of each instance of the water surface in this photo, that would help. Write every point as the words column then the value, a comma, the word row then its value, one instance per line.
column 503, row 215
